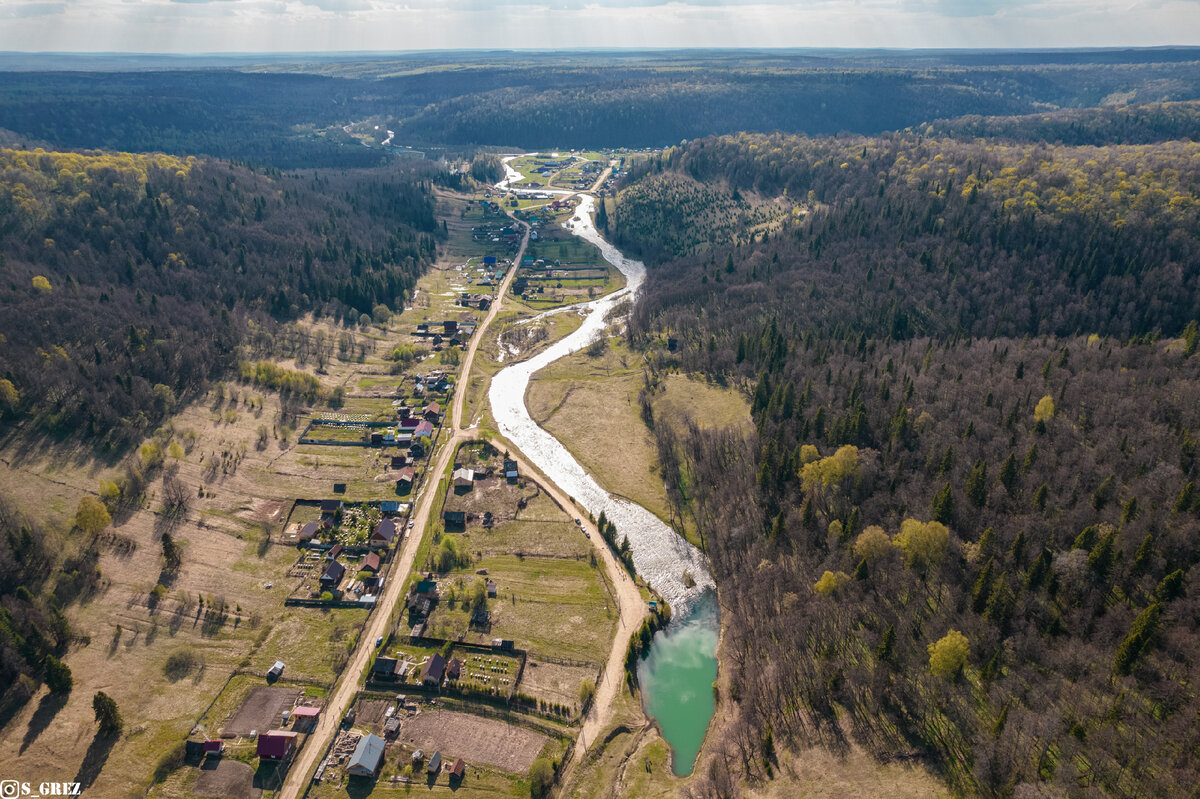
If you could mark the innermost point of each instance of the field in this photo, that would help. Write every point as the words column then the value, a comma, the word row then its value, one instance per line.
column 479, row 740
column 591, row 405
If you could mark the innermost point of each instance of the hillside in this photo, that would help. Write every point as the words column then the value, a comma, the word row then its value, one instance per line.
column 966, row 524
column 129, row 281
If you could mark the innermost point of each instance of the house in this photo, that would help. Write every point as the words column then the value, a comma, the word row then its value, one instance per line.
column 491, row 589
column 276, row 671
column 464, row 478
column 434, row 671
column 455, row 518
column 332, row 576
column 383, row 534
column 370, row 563
column 435, row 763
column 424, row 430
column 367, row 757
column 276, row 744
column 459, row 769
column 384, row 668
column 510, row 469
column 404, row 480
column 454, row 669
column 331, row 505
column 309, row 531
column 432, row 411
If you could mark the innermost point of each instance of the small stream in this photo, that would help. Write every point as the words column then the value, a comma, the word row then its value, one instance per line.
column 677, row 676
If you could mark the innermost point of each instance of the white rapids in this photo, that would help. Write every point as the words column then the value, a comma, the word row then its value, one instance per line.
column 660, row 555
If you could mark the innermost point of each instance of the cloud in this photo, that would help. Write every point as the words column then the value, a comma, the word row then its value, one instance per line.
column 390, row 25
column 30, row 10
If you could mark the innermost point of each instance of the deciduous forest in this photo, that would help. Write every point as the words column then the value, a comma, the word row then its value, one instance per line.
column 967, row 521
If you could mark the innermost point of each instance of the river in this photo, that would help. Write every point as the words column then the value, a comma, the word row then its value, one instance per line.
column 677, row 570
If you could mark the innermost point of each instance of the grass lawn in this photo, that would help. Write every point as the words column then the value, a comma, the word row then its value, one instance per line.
column 554, row 607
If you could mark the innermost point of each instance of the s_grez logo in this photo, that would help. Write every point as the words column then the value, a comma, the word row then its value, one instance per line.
column 12, row 789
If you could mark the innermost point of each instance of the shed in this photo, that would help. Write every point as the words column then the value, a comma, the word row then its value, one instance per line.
column 276, row 671
column 214, row 748
column 459, row 769
column 384, row 668
column 455, row 517
column 454, row 669
column 464, row 478
column 276, row 744
column 435, row 763
column 367, row 757
column 306, row 712
column 510, row 469
column 491, row 589
column 330, row 505
column 334, row 551
column 309, row 531
column 389, row 506
column 370, row 563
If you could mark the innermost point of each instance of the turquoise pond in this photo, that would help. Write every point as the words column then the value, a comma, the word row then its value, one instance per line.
column 677, row 681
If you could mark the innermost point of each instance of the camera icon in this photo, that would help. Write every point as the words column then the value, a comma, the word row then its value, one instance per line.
column 10, row 789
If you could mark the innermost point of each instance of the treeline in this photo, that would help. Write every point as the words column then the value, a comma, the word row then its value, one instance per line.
column 545, row 100
column 966, row 524
column 129, row 279
column 271, row 119
column 1141, row 124
column 903, row 236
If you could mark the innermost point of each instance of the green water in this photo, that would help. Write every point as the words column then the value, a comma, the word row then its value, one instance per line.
column 677, row 679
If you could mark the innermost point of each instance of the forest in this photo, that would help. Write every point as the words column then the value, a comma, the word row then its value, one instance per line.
column 130, row 281
column 968, row 518
column 290, row 115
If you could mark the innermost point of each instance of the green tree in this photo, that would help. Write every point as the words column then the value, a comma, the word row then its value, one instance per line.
column 948, row 656
column 924, row 544
column 977, row 484
column 1141, row 632
column 91, row 516
column 58, row 676
column 107, row 716
column 942, row 507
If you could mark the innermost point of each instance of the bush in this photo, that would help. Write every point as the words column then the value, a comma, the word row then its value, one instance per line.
column 181, row 663
column 541, row 777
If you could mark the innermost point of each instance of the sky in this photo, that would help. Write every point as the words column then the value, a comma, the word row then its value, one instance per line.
column 262, row 26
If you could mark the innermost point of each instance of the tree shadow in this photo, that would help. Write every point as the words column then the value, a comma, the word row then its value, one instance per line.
column 47, row 709
column 359, row 787
column 94, row 760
